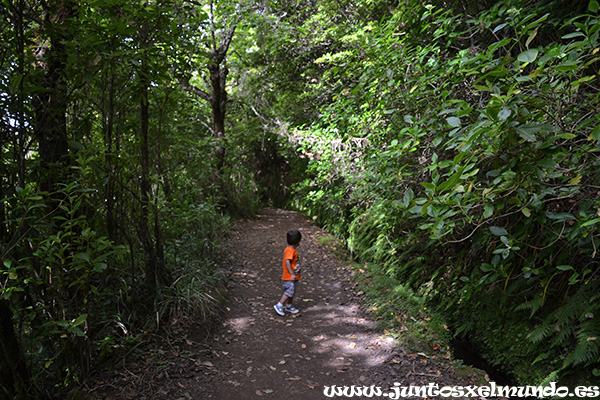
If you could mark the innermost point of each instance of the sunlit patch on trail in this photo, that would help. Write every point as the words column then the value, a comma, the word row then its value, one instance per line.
column 241, row 324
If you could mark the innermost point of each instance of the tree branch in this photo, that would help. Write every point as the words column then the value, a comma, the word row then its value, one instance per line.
column 185, row 84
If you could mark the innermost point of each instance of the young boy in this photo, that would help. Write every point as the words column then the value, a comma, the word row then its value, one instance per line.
column 291, row 274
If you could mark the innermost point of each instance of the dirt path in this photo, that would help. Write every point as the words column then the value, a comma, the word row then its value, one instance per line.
column 260, row 355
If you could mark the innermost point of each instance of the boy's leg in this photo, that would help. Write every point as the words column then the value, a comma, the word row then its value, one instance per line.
column 288, row 306
column 284, row 299
column 288, row 291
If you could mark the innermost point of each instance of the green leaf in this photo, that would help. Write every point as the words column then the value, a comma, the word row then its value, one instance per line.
column 100, row 267
column 528, row 55
column 576, row 180
column 498, row 231
column 408, row 197
column 583, row 80
column 559, row 217
column 572, row 35
column 486, row 267
column 526, row 212
column 83, row 256
column 79, row 320
column 591, row 222
column 62, row 323
column 567, row 66
column 595, row 135
column 528, row 131
column 453, row 122
column 573, row 279
column 488, row 211
column 531, row 37
column 564, row 267
column 504, row 114
column 451, row 182
column 496, row 29
column 77, row 331
column 415, row 210
column 499, row 44
column 548, row 163
column 594, row 6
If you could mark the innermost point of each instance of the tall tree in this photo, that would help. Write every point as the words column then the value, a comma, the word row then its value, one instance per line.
column 217, row 33
column 51, row 101
column 157, row 274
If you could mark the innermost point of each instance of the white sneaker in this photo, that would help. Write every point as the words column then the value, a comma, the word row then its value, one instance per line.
column 279, row 309
column 292, row 309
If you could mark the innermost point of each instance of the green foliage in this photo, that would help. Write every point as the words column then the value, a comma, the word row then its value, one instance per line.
column 133, row 195
column 467, row 165
column 59, row 279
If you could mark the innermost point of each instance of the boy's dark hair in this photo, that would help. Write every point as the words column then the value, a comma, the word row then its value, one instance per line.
column 293, row 237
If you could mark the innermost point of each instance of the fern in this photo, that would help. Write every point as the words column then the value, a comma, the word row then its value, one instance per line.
column 540, row 333
column 534, row 305
column 576, row 328
column 585, row 352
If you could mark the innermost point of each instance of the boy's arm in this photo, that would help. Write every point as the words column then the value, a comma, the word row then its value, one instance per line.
column 288, row 265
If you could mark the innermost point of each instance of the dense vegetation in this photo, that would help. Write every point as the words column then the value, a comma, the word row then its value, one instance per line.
column 459, row 152
column 452, row 145
column 115, row 186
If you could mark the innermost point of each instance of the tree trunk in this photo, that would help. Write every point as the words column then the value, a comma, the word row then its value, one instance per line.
column 50, row 103
column 144, row 231
column 217, row 90
column 218, row 104
column 108, row 122
column 15, row 381
column 156, row 273
column 21, row 137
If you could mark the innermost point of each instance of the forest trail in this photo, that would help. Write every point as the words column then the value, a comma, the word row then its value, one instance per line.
column 258, row 354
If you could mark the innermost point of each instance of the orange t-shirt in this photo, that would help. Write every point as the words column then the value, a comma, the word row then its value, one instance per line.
column 291, row 254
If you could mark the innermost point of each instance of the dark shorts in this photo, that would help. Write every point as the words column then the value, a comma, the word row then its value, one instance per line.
column 289, row 287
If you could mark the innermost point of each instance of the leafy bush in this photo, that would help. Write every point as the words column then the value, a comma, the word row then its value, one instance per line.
column 467, row 164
